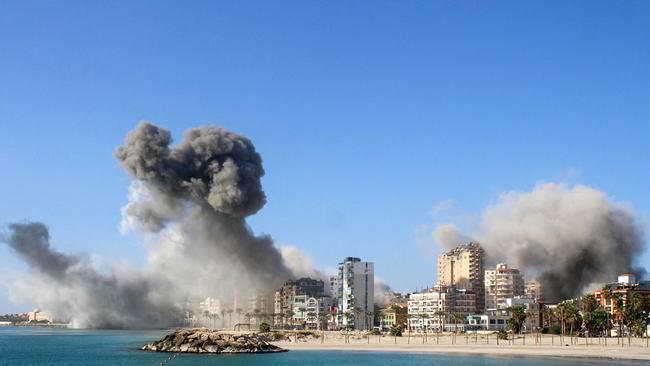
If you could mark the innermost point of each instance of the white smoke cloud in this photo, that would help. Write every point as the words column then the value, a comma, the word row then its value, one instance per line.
column 449, row 236
column 301, row 264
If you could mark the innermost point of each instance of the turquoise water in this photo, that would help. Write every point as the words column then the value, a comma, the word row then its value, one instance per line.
column 64, row 347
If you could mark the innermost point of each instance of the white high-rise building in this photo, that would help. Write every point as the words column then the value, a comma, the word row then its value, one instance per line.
column 502, row 283
column 355, row 293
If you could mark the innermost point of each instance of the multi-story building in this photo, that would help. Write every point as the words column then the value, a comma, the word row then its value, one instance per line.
column 38, row 316
column 428, row 309
column 334, row 287
column 497, row 319
column 289, row 300
column 440, row 308
column 533, row 290
column 355, row 293
column 394, row 315
column 210, row 306
column 626, row 284
column 502, row 283
column 317, row 312
column 463, row 267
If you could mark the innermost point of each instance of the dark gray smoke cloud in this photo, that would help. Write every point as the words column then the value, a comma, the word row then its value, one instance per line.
column 216, row 175
column 32, row 243
column 190, row 202
column 572, row 238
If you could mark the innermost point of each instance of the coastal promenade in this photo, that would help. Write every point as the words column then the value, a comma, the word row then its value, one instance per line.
column 530, row 345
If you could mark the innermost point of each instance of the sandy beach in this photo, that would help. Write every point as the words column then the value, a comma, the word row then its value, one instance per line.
column 530, row 345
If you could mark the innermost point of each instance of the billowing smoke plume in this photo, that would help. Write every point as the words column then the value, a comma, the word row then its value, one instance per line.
column 72, row 289
column 191, row 202
column 572, row 238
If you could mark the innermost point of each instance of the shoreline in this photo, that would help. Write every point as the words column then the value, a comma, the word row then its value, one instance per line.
column 637, row 352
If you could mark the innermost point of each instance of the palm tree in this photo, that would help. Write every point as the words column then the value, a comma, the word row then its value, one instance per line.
column 229, row 311
column 441, row 316
column 289, row 314
column 588, row 302
column 213, row 317
column 457, row 318
column 257, row 314
column 423, row 318
column 239, row 311
column 607, row 296
column 548, row 316
column 357, row 314
column 632, row 311
column 206, row 314
column 370, row 317
column 517, row 319
column 619, row 300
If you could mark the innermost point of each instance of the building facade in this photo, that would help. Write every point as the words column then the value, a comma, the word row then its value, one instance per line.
column 464, row 268
column 290, row 301
column 440, row 308
column 627, row 283
column 355, row 293
column 533, row 289
column 502, row 283
column 317, row 312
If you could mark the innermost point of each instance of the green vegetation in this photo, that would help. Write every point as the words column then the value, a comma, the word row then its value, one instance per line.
column 568, row 313
column 375, row 332
column 502, row 334
column 278, row 336
column 396, row 331
column 265, row 327
column 14, row 318
column 516, row 322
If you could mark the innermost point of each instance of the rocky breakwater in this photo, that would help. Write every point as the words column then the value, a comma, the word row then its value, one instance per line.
column 210, row 341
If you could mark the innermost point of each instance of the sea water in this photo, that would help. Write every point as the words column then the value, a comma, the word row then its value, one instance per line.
column 30, row 346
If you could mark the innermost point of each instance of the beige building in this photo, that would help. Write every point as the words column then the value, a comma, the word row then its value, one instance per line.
column 463, row 267
column 502, row 283
column 533, row 289
column 38, row 316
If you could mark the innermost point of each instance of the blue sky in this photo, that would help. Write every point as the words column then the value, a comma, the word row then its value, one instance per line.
column 367, row 114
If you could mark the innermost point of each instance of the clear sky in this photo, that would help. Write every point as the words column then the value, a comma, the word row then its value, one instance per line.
column 368, row 115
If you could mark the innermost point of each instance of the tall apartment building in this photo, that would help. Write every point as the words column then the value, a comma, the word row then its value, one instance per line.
column 463, row 268
column 355, row 293
column 502, row 283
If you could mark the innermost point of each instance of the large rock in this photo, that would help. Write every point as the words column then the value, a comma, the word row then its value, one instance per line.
column 210, row 341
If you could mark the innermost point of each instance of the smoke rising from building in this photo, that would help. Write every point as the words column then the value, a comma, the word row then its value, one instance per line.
column 190, row 202
column 572, row 238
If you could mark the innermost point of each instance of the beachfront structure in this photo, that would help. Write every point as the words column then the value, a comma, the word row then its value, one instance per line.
column 497, row 319
column 355, row 293
column 392, row 316
column 37, row 315
column 502, row 283
column 440, row 308
column 428, row 309
column 317, row 310
column 464, row 268
column 290, row 301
